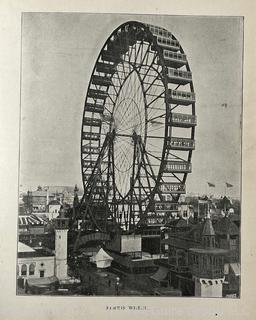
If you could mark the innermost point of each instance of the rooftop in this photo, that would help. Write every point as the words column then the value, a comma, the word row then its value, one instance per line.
column 22, row 247
column 179, row 223
column 36, row 253
column 25, row 251
column 181, row 241
column 54, row 202
column 32, row 220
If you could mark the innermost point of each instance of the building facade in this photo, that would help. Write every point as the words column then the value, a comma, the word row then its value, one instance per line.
column 33, row 264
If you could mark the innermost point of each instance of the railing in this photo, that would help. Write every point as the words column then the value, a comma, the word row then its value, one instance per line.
column 168, row 43
column 105, row 67
column 89, row 149
column 177, row 166
column 89, row 163
column 179, row 269
column 93, row 236
column 91, row 136
column 182, row 95
column 156, row 215
column 98, row 190
column 110, row 56
column 173, row 187
column 91, row 107
column 92, row 121
column 157, row 31
column 155, row 221
column 100, row 80
column 185, row 119
column 169, row 55
column 176, row 143
column 97, row 94
column 135, row 254
column 163, row 206
column 151, row 233
column 179, row 74
column 209, row 274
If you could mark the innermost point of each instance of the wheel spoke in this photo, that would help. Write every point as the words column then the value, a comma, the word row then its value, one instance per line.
column 124, row 128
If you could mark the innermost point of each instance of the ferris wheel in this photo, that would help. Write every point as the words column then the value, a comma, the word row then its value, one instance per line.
column 138, row 129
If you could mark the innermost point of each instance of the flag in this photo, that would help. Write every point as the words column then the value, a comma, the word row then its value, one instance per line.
column 229, row 185
column 211, row 184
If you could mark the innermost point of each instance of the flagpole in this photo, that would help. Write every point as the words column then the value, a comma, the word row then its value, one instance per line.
column 198, row 209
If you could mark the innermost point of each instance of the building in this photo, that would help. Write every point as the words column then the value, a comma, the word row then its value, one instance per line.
column 34, row 264
column 53, row 209
column 34, row 229
column 185, row 211
column 40, row 262
column 194, row 262
column 61, row 225
column 37, row 201
column 228, row 237
column 207, row 264
column 32, row 224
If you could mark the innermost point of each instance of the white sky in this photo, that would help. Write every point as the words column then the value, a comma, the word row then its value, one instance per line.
column 58, row 56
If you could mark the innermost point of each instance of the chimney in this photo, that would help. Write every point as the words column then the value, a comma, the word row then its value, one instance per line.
column 47, row 196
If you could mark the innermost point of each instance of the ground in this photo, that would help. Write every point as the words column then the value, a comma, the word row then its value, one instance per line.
column 106, row 282
column 109, row 282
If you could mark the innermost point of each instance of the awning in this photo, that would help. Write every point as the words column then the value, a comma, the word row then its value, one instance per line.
column 160, row 274
column 42, row 282
column 235, row 267
column 102, row 259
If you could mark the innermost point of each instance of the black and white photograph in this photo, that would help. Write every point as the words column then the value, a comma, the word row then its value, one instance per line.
column 130, row 155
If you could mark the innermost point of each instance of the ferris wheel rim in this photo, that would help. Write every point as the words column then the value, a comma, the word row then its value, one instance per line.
column 160, row 55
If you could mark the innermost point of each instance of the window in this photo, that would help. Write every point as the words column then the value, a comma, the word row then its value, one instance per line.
column 24, row 270
column 31, row 269
column 196, row 261
column 41, row 273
